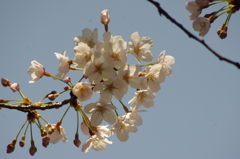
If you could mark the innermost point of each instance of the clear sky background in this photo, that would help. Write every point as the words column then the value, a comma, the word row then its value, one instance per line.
column 196, row 113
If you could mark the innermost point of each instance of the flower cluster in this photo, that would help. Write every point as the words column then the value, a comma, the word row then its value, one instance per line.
column 202, row 24
column 106, row 71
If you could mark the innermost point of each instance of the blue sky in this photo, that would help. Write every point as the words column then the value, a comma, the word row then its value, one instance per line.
column 196, row 113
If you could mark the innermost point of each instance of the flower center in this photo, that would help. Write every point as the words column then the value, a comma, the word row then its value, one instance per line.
column 115, row 56
column 85, row 57
column 137, row 49
column 122, row 127
column 98, row 68
column 90, row 43
column 142, row 96
column 82, row 89
column 151, row 77
column 101, row 110
column 203, row 25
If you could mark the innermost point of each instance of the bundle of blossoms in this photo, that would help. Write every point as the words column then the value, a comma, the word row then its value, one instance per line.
column 105, row 71
column 202, row 24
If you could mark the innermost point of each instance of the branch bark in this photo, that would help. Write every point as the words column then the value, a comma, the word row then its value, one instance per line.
column 27, row 108
column 220, row 57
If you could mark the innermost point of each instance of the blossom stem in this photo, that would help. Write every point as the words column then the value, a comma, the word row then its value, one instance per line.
column 45, row 120
column 227, row 20
column 74, row 68
column 21, row 129
column 64, row 114
column 116, row 112
column 43, row 99
column 40, row 124
column 14, row 100
column 59, row 79
column 124, row 107
column 21, row 94
column 31, row 132
column 77, row 122
column 25, row 132
column 147, row 65
column 85, row 118
column 81, row 79
column 17, row 103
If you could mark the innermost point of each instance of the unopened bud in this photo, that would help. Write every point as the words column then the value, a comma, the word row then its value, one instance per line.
column 66, row 88
column 52, row 96
column 37, row 104
column 22, row 141
column 222, row 32
column 5, row 82
column 27, row 101
column 14, row 87
column 11, row 147
column 105, row 17
column 67, row 79
column 32, row 149
column 76, row 141
column 45, row 141
column 3, row 101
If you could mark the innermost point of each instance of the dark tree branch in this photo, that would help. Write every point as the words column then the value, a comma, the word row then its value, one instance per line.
column 27, row 108
column 161, row 11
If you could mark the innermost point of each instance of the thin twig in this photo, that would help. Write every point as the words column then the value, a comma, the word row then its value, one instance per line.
column 161, row 11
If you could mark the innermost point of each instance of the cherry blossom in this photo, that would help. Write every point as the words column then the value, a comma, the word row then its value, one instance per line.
column 82, row 91
column 166, row 62
column 83, row 54
column 56, row 134
column 122, row 129
column 142, row 97
column 140, row 47
column 36, row 71
column 96, row 142
column 130, row 75
column 63, row 66
column 100, row 67
column 202, row 25
column 101, row 111
column 151, row 78
column 118, row 52
column 88, row 37
column 133, row 117
column 193, row 8
column 111, row 87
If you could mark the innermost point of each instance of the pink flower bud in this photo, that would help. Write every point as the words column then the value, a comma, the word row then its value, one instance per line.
column 14, row 87
column 105, row 17
column 67, row 79
column 5, row 82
